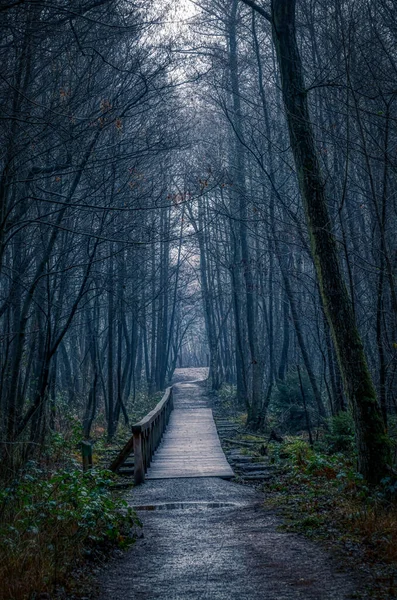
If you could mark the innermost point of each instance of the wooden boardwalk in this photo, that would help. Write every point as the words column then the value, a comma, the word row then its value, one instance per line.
column 190, row 446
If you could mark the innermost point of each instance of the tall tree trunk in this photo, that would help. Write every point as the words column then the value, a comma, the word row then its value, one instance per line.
column 110, row 365
column 254, row 418
column 372, row 442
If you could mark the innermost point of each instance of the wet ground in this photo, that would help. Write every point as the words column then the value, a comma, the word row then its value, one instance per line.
column 211, row 539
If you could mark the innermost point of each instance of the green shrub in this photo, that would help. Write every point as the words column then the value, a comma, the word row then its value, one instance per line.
column 297, row 451
column 48, row 521
column 300, row 458
column 287, row 406
column 341, row 433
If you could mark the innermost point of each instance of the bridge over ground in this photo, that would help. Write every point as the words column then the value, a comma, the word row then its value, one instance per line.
column 205, row 538
column 177, row 439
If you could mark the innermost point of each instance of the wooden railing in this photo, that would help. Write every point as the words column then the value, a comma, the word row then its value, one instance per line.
column 146, row 436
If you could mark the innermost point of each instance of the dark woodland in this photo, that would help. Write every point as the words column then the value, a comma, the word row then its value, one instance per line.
column 196, row 191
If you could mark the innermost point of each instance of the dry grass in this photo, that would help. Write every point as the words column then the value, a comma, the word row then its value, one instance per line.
column 376, row 526
column 37, row 564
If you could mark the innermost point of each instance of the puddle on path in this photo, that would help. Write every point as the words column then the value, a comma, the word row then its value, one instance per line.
column 186, row 505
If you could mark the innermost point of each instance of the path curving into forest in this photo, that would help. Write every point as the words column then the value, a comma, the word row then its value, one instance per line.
column 207, row 538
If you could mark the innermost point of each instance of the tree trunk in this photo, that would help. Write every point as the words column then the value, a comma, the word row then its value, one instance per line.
column 372, row 442
column 254, row 417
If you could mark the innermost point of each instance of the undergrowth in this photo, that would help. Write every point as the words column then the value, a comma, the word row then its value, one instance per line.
column 48, row 521
column 53, row 517
column 321, row 495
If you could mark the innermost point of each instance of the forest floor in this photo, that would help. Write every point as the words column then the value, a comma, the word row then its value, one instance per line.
column 215, row 539
column 317, row 493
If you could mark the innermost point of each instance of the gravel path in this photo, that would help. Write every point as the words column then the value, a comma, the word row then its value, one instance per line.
column 211, row 539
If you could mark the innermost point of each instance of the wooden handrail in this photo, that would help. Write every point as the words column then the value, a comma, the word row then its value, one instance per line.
column 146, row 436
column 150, row 417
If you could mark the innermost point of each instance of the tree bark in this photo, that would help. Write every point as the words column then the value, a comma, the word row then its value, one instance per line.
column 372, row 442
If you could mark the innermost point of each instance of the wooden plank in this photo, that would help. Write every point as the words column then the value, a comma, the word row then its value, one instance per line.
column 139, row 467
column 190, row 446
column 226, row 474
column 122, row 456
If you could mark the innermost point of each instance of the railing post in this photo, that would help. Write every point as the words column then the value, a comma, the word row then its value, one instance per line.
column 139, row 468
column 86, row 451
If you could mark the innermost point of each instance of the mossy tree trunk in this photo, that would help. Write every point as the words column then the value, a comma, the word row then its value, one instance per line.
column 372, row 442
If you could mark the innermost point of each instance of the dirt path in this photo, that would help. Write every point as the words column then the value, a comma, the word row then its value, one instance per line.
column 211, row 539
